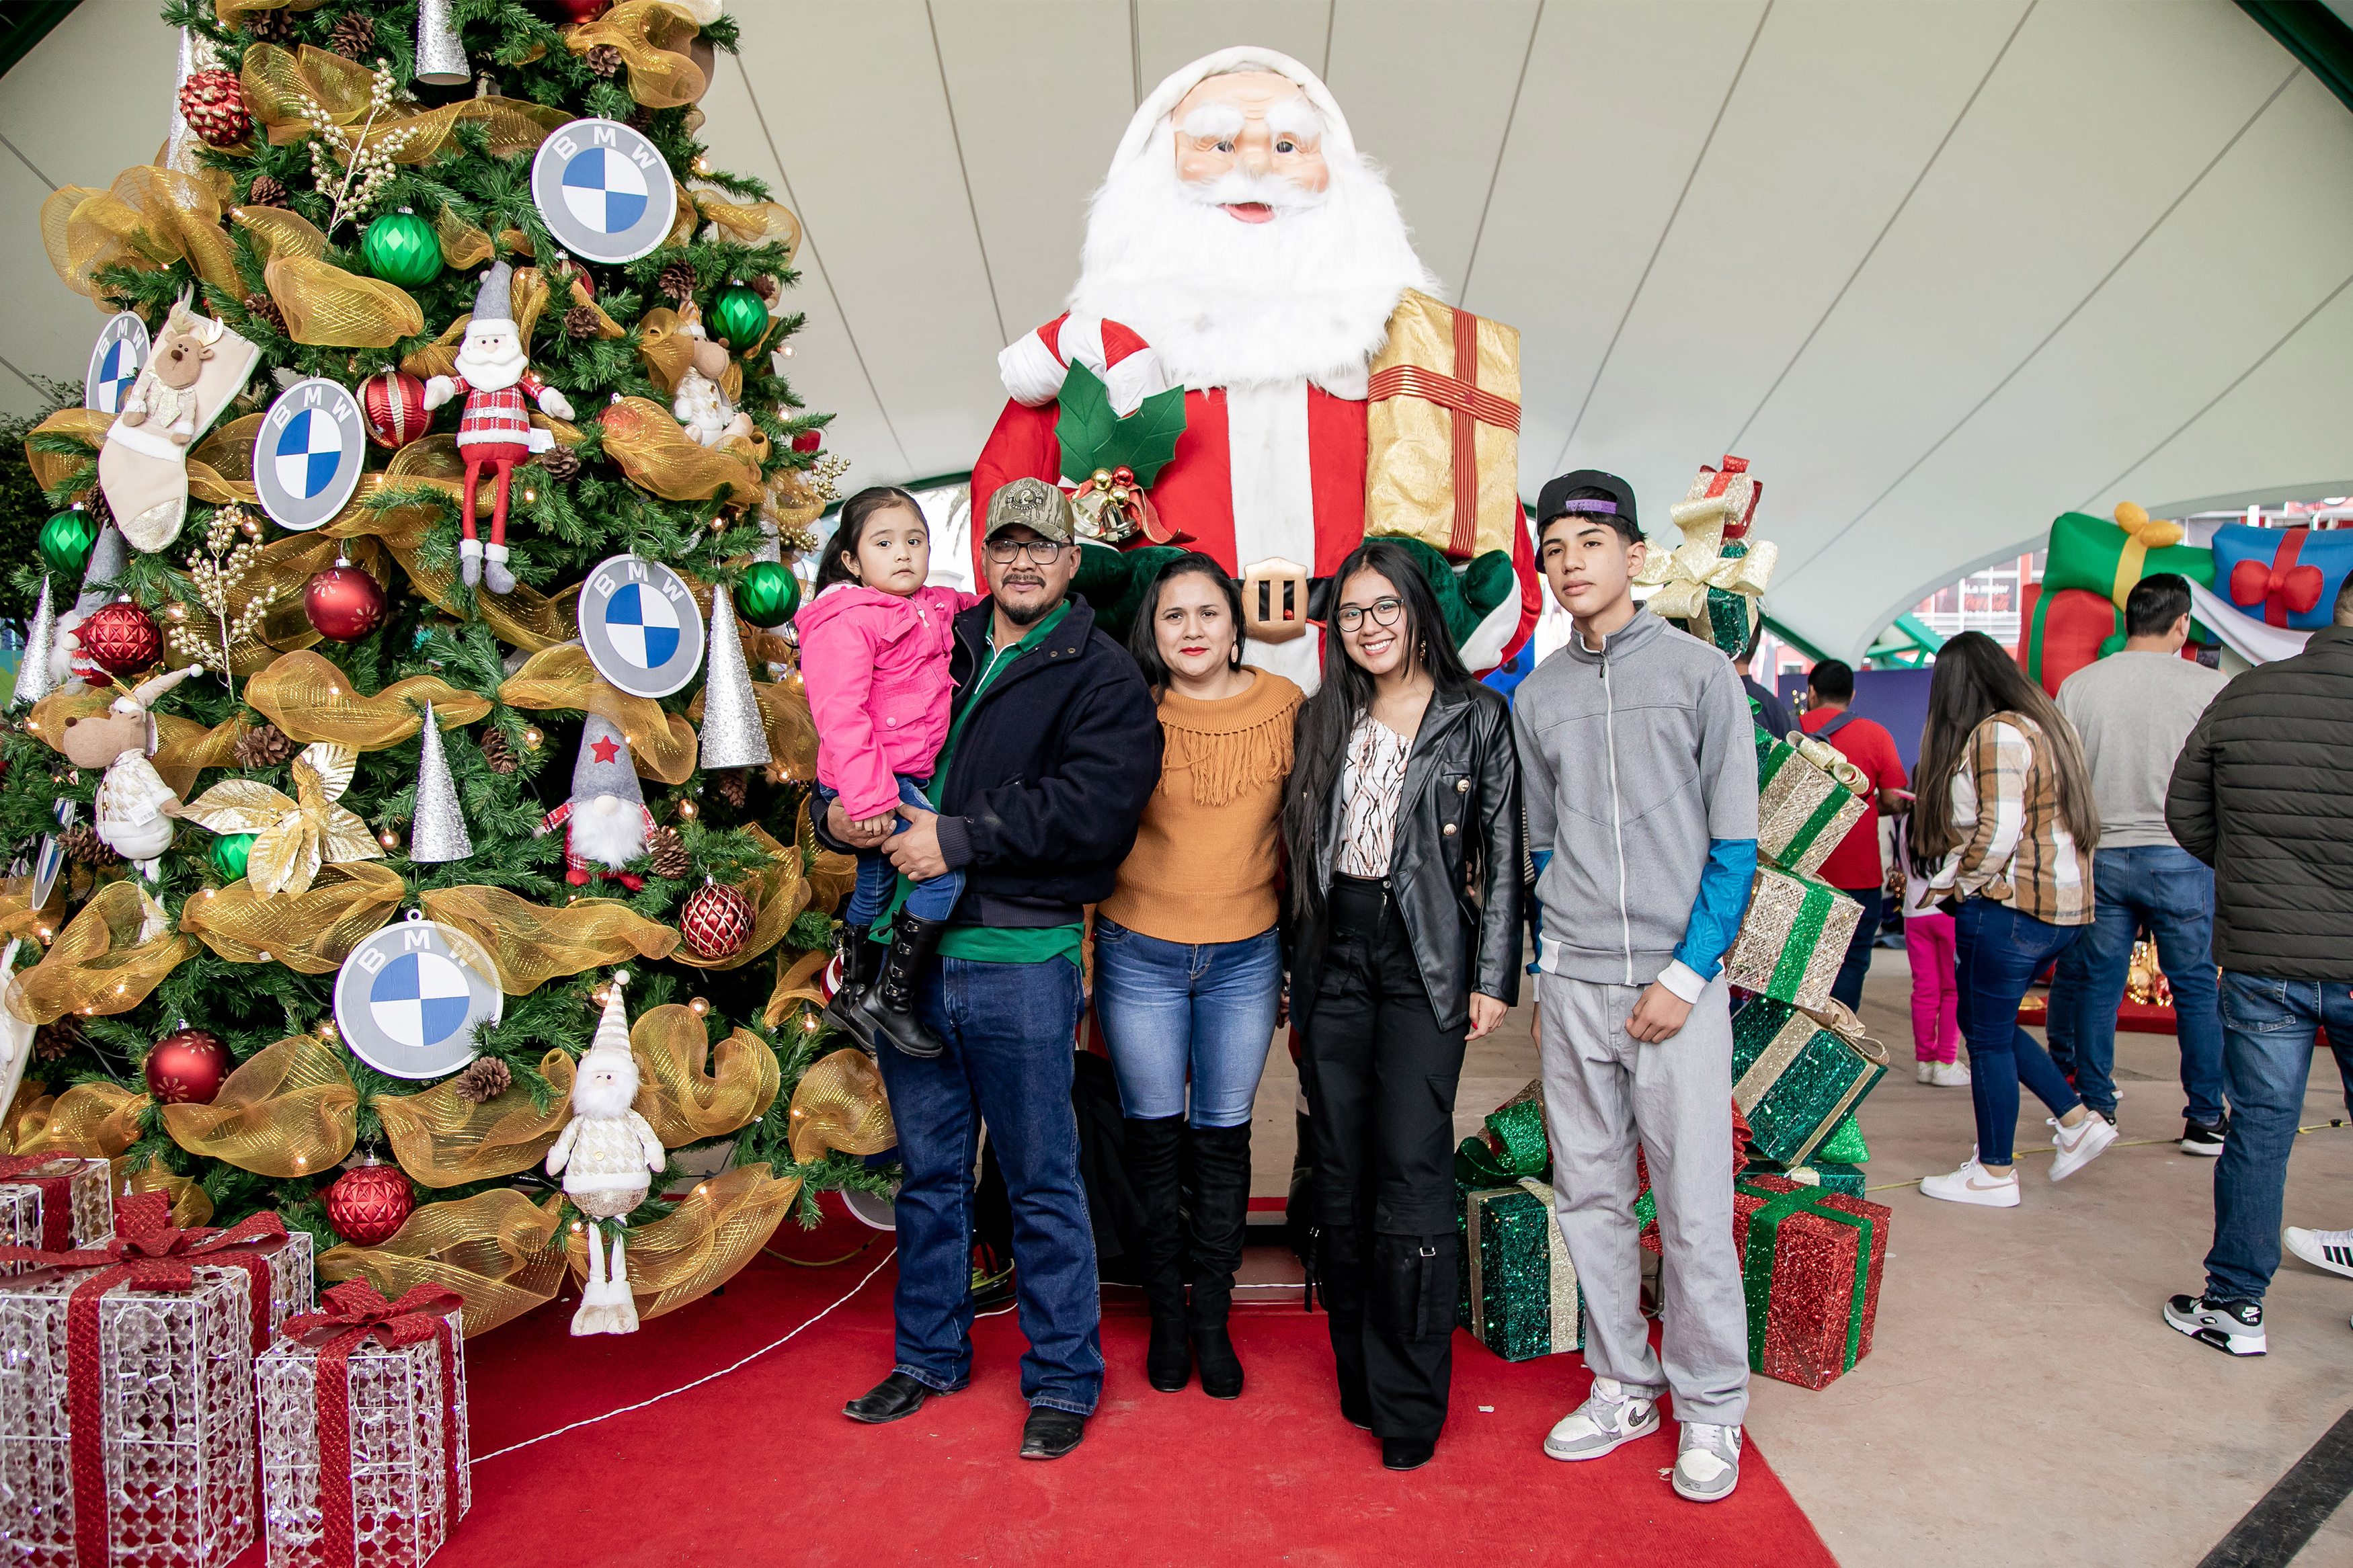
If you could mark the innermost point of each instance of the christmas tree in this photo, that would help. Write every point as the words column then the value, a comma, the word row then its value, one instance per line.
column 450, row 751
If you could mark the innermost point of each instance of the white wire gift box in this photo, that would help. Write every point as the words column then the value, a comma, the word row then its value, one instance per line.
column 55, row 1202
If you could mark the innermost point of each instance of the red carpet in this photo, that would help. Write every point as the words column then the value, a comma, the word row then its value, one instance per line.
column 760, row 1467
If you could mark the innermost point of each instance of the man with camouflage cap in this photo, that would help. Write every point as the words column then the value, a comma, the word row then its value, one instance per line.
column 1053, row 748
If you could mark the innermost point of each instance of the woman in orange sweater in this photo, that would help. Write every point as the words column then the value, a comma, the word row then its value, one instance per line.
column 1188, row 966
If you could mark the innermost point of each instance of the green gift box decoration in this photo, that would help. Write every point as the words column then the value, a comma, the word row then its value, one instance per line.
column 1844, row 1146
column 1520, row 1297
column 1512, row 1143
column 1797, row 1071
column 1808, row 796
column 1793, row 938
column 1829, row 1175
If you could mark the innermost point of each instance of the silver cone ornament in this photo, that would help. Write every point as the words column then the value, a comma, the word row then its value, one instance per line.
column 34, row 678
column 733, row 735
column 440, row 53
column 438, row 830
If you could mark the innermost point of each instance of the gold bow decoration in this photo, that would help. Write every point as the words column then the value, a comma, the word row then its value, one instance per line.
column 96, row 1120
column 1831, row 761
column 531, row 944
column 297, row 836
column 288, row 1110
column 689, row 1089
column 311, row 700
column 2143, row 533
column 653, row 37
column 148, row 219
column 840, row 1103
column 442, row 1139
column 277, row 83
column 492, row 1249
column 1684, row 576
column 656, row 452
column 698, row 1245
column 312, row 932
column 108, row 960
column 662, row 745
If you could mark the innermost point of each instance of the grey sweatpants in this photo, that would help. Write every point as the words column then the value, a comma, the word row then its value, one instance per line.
column 1602, row 1091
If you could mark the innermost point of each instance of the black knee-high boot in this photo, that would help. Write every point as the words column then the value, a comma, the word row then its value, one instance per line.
column 1220, row 1217
column 1153, row 1146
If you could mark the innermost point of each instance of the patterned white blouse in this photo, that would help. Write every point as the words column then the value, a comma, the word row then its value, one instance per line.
column 1369, row 788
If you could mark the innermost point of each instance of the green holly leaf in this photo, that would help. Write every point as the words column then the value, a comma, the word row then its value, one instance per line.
column 1093, row 437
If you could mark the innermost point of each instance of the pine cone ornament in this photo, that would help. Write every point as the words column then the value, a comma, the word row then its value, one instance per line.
column 271, row 26
column 604, row 60
column 51, row 1041
column 264, row 746
column 266, row 308
column 267, row 191
column 733, row 786
column 669, row 851
column 561, row 462
column 486, row 1078
column 214, row 102
column 354, row 37
column 83, row 844
column 677, row 281
column 498, row 752
column 580, row 320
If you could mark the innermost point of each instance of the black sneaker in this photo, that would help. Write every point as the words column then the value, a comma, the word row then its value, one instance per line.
column 2236, row 1327
column 2203, row 1138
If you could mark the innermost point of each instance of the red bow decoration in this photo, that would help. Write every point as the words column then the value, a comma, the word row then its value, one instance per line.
column 57, row 1194
column 2283, row 588
column 354, row 1313
column 147, row 1252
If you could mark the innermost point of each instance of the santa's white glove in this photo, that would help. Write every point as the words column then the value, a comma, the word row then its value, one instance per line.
column 439, row 390
column 554, row 404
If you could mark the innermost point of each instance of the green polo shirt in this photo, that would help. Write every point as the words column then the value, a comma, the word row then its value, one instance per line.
column 994, row 944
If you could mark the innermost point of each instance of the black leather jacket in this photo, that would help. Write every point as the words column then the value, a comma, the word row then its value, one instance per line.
column 1457, row 867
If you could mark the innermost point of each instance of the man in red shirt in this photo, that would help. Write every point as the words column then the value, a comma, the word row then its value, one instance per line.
column 1853, row 867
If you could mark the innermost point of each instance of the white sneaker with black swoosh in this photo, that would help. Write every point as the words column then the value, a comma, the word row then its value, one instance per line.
column 2329, row 1249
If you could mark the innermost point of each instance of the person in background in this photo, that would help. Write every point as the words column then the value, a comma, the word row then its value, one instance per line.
column 1935, row 991
column 1853, row 867
column 2264, row 793
column 1772, row 713
column 2133, row 710
column 1189, row 960
column 2003, row 828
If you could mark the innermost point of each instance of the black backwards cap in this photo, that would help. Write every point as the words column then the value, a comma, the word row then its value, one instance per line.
column 1553, row 500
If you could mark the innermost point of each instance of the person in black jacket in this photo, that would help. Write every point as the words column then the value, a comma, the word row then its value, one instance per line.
column 1053, row 748
column 1402, row 819
column 2264, row 793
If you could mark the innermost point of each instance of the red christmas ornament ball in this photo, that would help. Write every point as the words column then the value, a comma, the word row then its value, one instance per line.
column 187, row 1067
column 121, row 637
column 393, row 403
column 716, row 922
column 214, row 102
column 808, row 441
column 579, row 10
column 369, row 1202
column 344, row 603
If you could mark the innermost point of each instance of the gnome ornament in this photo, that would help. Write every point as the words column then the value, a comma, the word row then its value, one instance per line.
column 606, row 821
column 196, row 366
column 135, row 808
column 494, row 374
column 608, row 1156
column 700, row 406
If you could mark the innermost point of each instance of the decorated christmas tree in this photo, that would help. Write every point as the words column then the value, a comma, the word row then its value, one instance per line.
column 414, row 653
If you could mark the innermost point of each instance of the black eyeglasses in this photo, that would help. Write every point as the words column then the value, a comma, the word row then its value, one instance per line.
column 1348, row 617
column 1041, row 551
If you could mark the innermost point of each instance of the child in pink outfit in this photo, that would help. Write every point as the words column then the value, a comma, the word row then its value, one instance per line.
column 1935, row 989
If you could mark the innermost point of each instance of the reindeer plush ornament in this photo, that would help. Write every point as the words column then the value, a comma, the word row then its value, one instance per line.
column 196, row 367
column 608, row 1156
column 135, row 808
column 699, row 405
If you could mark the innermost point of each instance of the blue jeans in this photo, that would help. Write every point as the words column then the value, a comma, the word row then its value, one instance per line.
column 1167, row 1006
column 2172, row 893
column 1010, row 1031
column 2267, row 1039
column 931, row 899
column 1997, row 953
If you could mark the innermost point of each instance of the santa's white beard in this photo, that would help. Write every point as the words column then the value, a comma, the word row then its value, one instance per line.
column 1228, row 303
column 594, row 1095
column 492, row 365
column 611, row 840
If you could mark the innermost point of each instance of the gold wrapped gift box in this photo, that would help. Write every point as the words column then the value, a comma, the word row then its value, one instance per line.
column 1443, row 430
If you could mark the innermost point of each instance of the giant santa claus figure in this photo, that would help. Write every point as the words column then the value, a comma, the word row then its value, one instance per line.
column 1242, row 250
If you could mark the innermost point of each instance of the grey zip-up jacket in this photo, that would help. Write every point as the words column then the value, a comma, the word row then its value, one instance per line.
column 1638, row 764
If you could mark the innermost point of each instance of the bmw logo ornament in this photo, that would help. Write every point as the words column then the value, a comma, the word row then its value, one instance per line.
column 603, row 190
column 640, row 625
column 308, row 455
column 411, row 996
column 114, row 364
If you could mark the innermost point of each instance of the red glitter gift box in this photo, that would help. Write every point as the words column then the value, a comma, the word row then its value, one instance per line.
column 1809, row 1263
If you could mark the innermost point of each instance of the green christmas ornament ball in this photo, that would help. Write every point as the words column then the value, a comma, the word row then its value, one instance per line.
column 768, row 594
column 64, row 542
column 401, row 248
column 740, row 316
column 229, row 853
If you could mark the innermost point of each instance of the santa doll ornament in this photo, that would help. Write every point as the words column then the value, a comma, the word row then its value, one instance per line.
column 607, row 1155
column 494, row 374
column 606, row 821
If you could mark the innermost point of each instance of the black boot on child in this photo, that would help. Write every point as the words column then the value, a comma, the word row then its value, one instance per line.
column 889, row 1005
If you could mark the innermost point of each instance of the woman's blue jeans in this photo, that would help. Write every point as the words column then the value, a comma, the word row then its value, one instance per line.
column 1173, row 1009
column 1998, row 951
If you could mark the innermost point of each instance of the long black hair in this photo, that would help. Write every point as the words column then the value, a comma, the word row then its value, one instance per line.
column 1319, row 744
column 1974, row 680
column 1142, row 640
column 830, row 566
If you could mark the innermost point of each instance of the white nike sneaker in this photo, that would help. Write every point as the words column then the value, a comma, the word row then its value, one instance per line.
column 1611, row 1416
column 1950, row 1075
column 1927, row 1072
column 1971, row 1184
column 1708, row 1468
column 2079, row 1145
column 2329, row 1249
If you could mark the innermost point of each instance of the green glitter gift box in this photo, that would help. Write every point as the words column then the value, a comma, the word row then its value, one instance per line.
column 1797, row 1071
column 1830, row 1176
column 1810, row 1262
column 1519, row 1289
column 1511, row 1144
column 1808, row 796
column 1793, row 938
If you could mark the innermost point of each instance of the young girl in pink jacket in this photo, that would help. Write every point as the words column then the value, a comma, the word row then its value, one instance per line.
column 875, row 646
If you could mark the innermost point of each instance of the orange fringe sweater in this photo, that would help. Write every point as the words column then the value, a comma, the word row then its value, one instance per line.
column 1204, row 865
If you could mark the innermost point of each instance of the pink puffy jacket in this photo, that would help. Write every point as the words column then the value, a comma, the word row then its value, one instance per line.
column 875, row 667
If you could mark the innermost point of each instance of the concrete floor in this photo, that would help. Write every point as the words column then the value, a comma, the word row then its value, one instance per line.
column 2023, row 1403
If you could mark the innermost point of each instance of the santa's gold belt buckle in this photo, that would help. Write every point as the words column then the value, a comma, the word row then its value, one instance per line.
column 1274, row 600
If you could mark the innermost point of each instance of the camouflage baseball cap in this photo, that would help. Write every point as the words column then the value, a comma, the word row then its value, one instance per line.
column 1033, row 504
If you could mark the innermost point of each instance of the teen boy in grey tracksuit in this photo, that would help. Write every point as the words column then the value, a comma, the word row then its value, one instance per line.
column 1638, row 772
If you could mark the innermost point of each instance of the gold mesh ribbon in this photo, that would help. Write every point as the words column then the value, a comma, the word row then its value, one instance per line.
column 90, row 1118
column 441, row 1139
column 533, row 943
column 491, row 1249
column 652, row 450
column 148, row 218
column 28, row 1112
column 1684, row 575
column 689, row 1089
column 276, row 81
column 288, row 1111
column 795, row 984
column 840, row 1104
column 311, row 933
column 184, row 748
column 791, row 730
column 311, row 699
column 753, row 223
column 662, row 745
column 220, row 466
column 331, row 307
column 463, row 245
column 831, row 874
column 664, row 347
column 777, row 893
column 605, row 326
column 191, row 1205
column 106, row 960
column 652, row 36
column 700, row 1245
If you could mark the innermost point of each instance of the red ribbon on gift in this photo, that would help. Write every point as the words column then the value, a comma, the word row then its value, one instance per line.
column 1734, row 528
column 147, row 1252
column 2283, row 588
column 356, row 1312
column 57, row 1195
